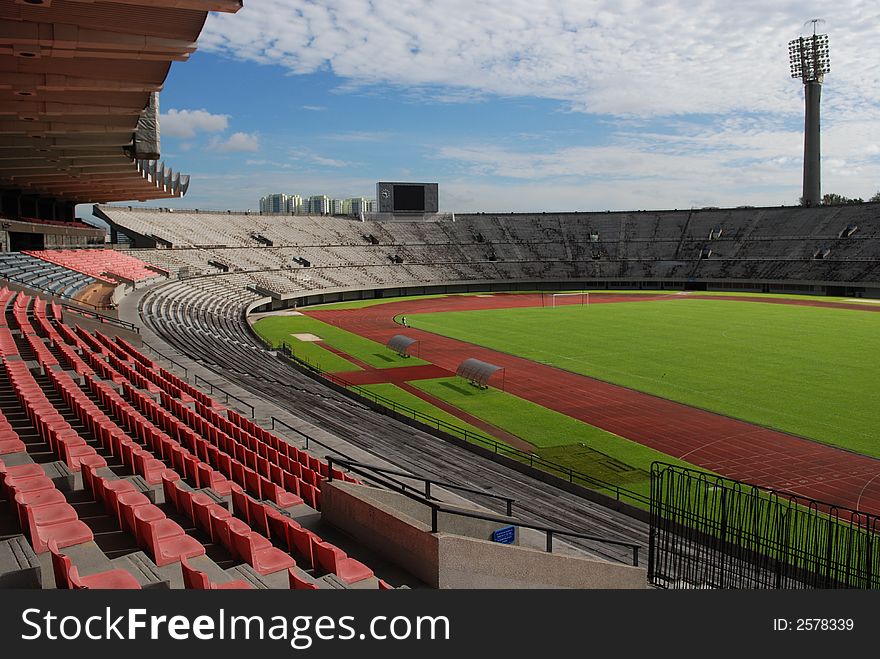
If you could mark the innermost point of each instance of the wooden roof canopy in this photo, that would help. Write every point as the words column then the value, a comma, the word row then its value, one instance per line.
column 79, row 83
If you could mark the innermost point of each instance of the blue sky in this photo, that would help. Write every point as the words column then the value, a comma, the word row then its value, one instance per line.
column 520, row 106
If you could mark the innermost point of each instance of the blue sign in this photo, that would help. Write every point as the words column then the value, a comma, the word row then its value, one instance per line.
column 505, row 535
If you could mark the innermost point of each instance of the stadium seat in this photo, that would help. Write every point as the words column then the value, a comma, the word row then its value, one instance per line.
column 298, row 583
column 258, row 552
column 67, row 576
column 194, row 579
column 164, row 539
column 301, row 542
column 63, row 533
column 332, row 559
column 207, row 515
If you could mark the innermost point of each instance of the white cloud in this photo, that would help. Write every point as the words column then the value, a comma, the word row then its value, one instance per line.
column 235, row 143
column 314, row 108
column 329, row 162
column 600, row 56
column 358, row 136
column 186, row 123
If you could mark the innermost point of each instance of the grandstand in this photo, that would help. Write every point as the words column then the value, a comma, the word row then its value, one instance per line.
column 163, row 445
column 760, row 249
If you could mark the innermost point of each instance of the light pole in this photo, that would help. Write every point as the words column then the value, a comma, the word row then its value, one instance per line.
column 810, row 61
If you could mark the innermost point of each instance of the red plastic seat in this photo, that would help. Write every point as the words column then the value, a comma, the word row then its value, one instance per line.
column 278, row 526
column 206, row 514
column 67, row 575
column 257, row 517
column 332, row 559
column 165, row 547
column 21, row 471
column 50, row 513
column 13, row 486
column 301, row 542
column 188, row 501
column 127, row 502
column 240, row 504
column 297, row 583
column 12, row 445
column 108, row 490
column 224, row 528
column 71, row 532
column 194, row 579
column 258, row 552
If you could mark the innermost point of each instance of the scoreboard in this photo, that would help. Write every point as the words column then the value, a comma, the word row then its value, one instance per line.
column 407, row 197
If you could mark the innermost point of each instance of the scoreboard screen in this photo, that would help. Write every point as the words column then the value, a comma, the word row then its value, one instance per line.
column 409, row 198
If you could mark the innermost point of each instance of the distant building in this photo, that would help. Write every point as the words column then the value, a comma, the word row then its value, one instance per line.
column 342, row 206
column 319, row 205
column 359, row 206
column 281, row 203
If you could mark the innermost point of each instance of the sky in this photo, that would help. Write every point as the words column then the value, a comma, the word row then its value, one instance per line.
column 521, row 105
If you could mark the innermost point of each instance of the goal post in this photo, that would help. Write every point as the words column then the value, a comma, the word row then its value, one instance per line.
column 553, row 300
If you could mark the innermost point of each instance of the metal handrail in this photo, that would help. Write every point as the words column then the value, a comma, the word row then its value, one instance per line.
column 102, row 318
column 166, row 358
column 436, row 508
column 433, row 481
column 225, row 393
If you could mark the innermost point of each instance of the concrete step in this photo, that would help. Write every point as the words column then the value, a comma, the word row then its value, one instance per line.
column 143, row 569
column 19, row 565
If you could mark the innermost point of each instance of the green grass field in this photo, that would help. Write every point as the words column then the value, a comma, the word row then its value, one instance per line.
column 278, row 329
column 805, row 370
column 557, row 437
column 397, row 395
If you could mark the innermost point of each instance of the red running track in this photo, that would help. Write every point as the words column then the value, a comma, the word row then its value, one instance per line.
column 727, row 446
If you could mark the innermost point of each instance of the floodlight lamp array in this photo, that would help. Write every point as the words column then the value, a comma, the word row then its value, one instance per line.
column 810, row 58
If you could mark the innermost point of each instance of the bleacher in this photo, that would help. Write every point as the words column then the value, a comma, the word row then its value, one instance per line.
column 42, row 275
column 130, row 477
column 105, row 265
column 770, row 245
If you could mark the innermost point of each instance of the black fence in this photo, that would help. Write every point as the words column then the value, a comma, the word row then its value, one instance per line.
column 712, row 532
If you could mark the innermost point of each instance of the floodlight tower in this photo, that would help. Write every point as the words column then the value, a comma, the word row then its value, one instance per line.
column 810, row 61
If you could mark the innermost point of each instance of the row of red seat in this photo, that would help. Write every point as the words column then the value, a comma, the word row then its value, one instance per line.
column 234, row 533
column 257, row 469
column 160, row 446
column 125, row 369
column 113, row 438
column 209, row 450
column 50, row 424
column 42, row 509
column 243, row 430
column 134, row 352
column 320, row 555
column 164, row 539
column 103, row 264
column 111, row 346
column 253, row 546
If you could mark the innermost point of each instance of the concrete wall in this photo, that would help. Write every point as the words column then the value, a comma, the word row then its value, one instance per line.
column 470, row 563
column 394, row 526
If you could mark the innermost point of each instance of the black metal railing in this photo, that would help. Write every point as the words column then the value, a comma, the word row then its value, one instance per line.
column 308, row 439
column 436, row 506
column 102, row 318
column 166, row 358
column 213, row 387
column 499, row 448
column 712, row 532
